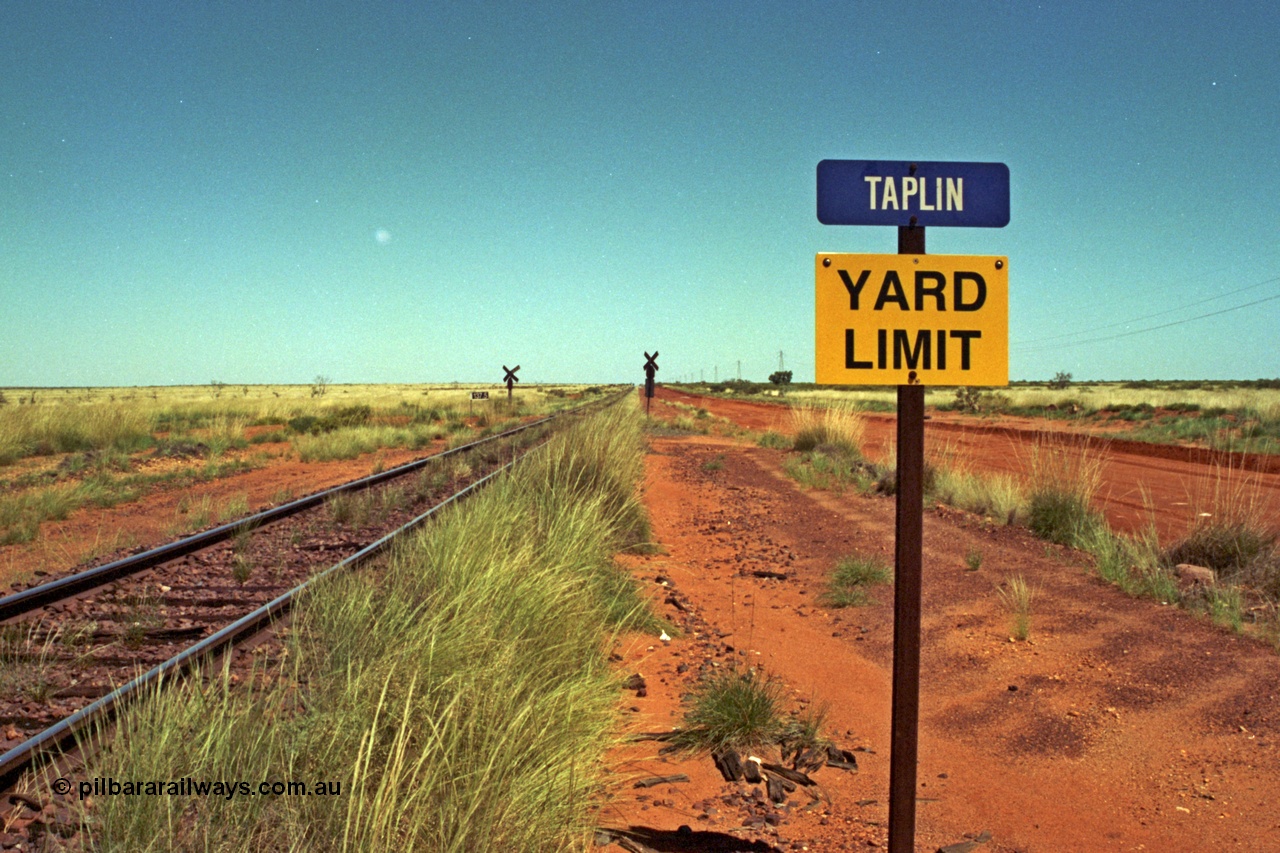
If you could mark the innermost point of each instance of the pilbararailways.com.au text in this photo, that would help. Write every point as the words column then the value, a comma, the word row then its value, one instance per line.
column 188, row 787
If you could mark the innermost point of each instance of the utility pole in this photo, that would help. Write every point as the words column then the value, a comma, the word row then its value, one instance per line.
column 739, row 370
column 780, row 364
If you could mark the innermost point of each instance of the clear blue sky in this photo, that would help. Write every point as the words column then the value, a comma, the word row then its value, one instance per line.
column 418, row 191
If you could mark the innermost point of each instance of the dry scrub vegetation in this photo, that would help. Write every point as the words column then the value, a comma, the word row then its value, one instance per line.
column 1055, row 500
column 68, row 448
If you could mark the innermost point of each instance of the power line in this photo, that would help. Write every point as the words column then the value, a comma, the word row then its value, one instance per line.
column 1145, row 317
column 1151, row 328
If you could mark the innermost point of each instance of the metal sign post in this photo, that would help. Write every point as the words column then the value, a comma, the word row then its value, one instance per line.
column 510, row 379
column 882, row 321
column 908, row 547
column 650, row 368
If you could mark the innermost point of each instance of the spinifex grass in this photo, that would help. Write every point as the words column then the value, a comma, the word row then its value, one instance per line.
column 850, row 580
column 840, row 427
column 954, row 482
column 733, row 710
column 1131, row 562
column 1231, row 532
column 1064, row 477
column 820, row 469
column 350, row 442
column 461, row 699
column 1017, row 595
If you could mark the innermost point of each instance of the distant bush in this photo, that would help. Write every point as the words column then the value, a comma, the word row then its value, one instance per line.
column 346, row 416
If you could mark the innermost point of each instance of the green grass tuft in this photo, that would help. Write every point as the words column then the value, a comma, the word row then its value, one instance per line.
column 848, row 584
column 733, row 710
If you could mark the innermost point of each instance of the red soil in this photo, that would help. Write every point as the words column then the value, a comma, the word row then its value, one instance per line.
column 1141, row 482
column 1121, row 724
column 95, row 532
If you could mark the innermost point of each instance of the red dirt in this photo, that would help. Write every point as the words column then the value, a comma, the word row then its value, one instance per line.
column 1132, row 726
column 92, row 532
column 1140, row 482
column 1121, row 724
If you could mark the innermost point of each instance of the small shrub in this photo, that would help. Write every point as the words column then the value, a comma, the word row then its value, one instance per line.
column 716, row 463
column 973, row 559
column 968, row 399
column 775, row 440
column 1225, row 548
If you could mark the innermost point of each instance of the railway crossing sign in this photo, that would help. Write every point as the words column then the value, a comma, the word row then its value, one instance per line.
column 510, row 379
column 908, row 319
column 650, row 368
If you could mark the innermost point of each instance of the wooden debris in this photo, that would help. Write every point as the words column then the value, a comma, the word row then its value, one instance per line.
column 793, row 776
column 729, row 765
column 841, row 759
column 651, row 781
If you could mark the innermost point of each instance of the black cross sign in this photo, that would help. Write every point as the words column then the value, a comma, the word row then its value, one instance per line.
column 510, row 379
column 650, row 368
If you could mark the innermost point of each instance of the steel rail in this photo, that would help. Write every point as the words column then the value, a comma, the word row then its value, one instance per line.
column 62, row 734
column 35, row 597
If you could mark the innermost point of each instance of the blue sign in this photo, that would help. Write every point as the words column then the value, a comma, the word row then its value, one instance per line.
column 892, row 192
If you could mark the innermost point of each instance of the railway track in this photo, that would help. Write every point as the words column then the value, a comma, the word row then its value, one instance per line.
column 67, row 645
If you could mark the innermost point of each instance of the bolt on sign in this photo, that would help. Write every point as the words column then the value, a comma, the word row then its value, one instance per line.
column 912, row 319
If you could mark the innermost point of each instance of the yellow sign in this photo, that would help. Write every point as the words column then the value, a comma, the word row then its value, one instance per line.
column 908, row 319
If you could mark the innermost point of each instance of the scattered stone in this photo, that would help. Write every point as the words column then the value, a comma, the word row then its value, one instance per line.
column 1195, row 575
column 967, row 846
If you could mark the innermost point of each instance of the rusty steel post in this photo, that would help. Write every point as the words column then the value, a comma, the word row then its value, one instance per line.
column 908, row 542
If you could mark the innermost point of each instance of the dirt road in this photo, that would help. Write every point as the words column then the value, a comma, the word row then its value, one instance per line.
column 1140, row 481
